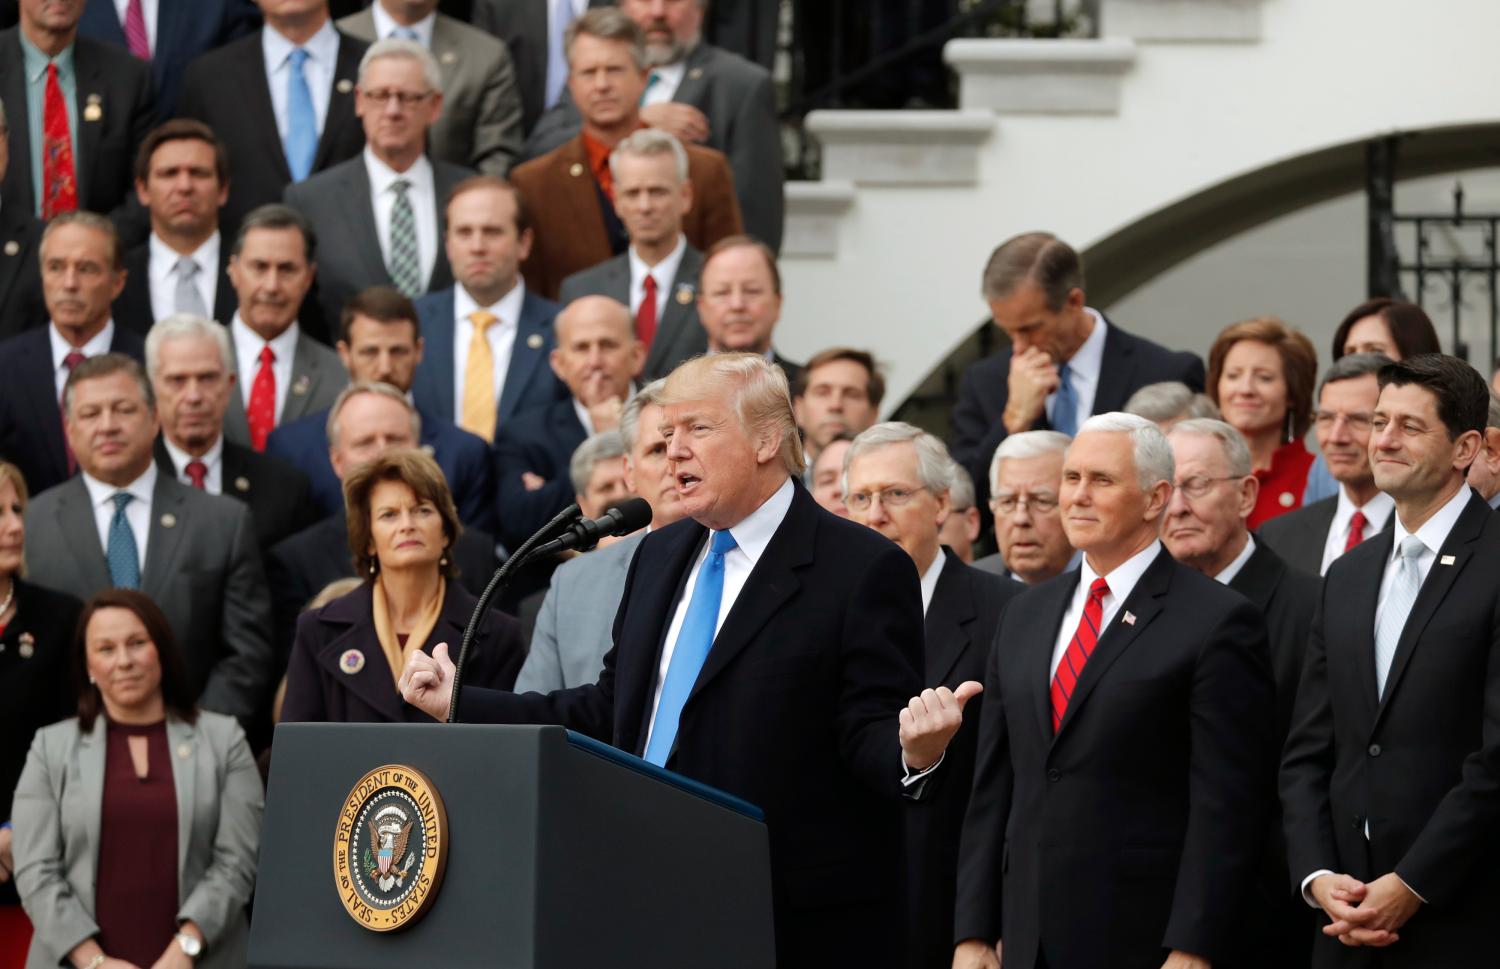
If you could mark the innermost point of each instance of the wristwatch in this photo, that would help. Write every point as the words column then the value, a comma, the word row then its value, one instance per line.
column 190, row 945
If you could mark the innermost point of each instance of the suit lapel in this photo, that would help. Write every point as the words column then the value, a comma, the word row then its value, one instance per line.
column 41, row 395
column 90, row 91
column 437, row 356
column 527, row 354
column 13, row 93
column 305, row 376
column 255, row 87
column 75, row 522
column 693, row 88
column 444, row 178
column 90, row 793
column 1117, row 377
column 226, row 301
column 12, row 233
column 579, row 196
column 182, row 739
column 637, row 681
column 1042, row 640
column 172, row 18
column 947, row 621
column 168, row 527
column 676, row 315
column 340, row 101
column 355, row 185
column 1363, row 595
column 1257, row 580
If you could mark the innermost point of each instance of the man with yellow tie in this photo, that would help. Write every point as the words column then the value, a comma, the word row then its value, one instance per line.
column 487, row 340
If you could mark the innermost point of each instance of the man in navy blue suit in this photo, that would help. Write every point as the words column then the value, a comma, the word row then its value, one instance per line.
column 380, row 342
column 488, row 339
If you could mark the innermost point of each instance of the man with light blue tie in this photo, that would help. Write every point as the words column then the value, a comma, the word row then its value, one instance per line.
column 1390, row 774
column 771, row 649
column 281, row 100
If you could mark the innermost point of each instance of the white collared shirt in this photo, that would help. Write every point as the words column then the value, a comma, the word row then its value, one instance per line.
column 751, row 536
column 137, row 513
column 322, row 57
column 1121, row 583
column 422, row 194
column 1227, row 574
column 61, row 348
column 1377, row 511
column 162, row 272
column 386, row 26
column 663, row 272
column 663, row 83
column 247, row 347
column 930, row 578
column 213, row 463
column 1084, row 368
column 148, row 14
column 501, row 336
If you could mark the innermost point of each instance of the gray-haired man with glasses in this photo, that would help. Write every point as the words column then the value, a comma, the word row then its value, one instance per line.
column 1025, row 475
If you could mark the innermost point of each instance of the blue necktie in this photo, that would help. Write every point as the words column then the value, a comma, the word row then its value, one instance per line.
column 557, row 55
column 301, row 145
column 693, row 642
column 122, row 555
column 1064, row 404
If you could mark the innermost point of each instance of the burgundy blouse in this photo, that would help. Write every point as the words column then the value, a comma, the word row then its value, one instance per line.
column 135, row 900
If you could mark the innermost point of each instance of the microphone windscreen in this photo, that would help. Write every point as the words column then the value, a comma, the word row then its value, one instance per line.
column 632, row 514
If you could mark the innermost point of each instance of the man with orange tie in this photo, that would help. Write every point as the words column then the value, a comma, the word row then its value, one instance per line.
column 288, row 375
column 657, row 277
column 1310, row 538
column 1123, row 780
column 79, row 110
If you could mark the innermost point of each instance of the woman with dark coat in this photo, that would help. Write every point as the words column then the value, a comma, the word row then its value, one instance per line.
column 349, row 653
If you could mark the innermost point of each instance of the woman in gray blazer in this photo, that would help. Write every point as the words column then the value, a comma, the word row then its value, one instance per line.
column 137, row 822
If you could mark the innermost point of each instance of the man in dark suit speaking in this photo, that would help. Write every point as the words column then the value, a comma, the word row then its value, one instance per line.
column 764, row 646
column 1125, row 759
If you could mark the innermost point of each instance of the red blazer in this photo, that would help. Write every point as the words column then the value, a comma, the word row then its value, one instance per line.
column 569, row 228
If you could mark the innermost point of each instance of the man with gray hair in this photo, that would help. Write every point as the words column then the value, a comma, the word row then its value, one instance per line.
column 21, row 304
column 898, row 480
column 1127, row 704
column 598, row 473
column 961, row 530
column 386, row 206
column 1168, row 402
column 1064, row 360
column 657, row 277
column 191, row 367
column 1484, row 473
column 1025, row 481
column 1206, row 529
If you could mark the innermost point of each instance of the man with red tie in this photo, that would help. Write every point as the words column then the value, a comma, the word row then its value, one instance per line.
column 1310, row 538
column 1125, row 763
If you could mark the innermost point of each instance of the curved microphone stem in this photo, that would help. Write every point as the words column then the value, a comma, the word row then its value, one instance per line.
column 501, row 576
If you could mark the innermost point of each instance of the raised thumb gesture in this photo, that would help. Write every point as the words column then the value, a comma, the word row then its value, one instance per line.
column 930, row 720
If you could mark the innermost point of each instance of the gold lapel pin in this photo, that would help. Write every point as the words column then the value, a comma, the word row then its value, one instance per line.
column 242, row 483
column 1447, row 560
column 576, row 169
column 344, row 85
column 300, row 387
column 684, row 294
column 184, row 751
column 1130, row 619
column 26, row 645
column 94, row 109
column 695, row 73
column 12, row 247
column 534, row 341
column 168, row 520
column 448, row 57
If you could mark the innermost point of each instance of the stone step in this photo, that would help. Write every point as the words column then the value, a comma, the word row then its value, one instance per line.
column 1193, row 21
column 1006, row 76
column 901, row 147
column 813, row 211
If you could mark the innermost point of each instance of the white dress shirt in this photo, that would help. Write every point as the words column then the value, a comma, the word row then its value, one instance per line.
column 1084, row 368
column 137, row 513
column 386, row 26
column 162, row 272
column 751, row 536
column 247, row 347
column 213, row 463
column 1377, row 511
column 322, row 56
column 421, row 192
column 663, row 272
column 1227, row 574
column 501, row 336
column 930, row 578
column 1121, row 583
column 61, row 348
column 148, row 14
column 663, row 83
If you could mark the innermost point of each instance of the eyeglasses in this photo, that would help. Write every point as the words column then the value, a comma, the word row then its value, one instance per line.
column 890, row 498
column 1198, row 485
column 407, row 99
column 1041, row 504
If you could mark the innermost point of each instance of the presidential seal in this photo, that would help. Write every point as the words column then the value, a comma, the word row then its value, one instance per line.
column 390, row 848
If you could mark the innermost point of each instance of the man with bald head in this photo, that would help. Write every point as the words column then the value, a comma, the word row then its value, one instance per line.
column 598, row 358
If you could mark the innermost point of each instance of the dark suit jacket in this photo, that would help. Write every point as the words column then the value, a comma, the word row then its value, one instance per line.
column 202, row 567
column 792, row 370
column 35, row 689
column 568, row 219
column 1130, row 363
column 1299, row 536
column 543, row 443
column 120, row 88
column 227, row 89
column 739, row 100
column 1144, row 817
column 1420, row 766
column 132, row 309
column 301, row 566
column 679, row 335
column 275, row 491
column 319, row 689
column 21, row 303
column 522, row 24
column 794, row 710
column 960, row 626
column 464, row 458
column 530, row 383
column 31, row 434
column 337, row 203
column 184, row 29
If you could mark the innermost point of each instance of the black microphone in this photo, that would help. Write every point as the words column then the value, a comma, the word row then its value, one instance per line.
column 627, row 516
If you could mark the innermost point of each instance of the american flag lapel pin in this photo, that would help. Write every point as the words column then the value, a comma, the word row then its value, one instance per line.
column 1129, row 618
column 1446, row 560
